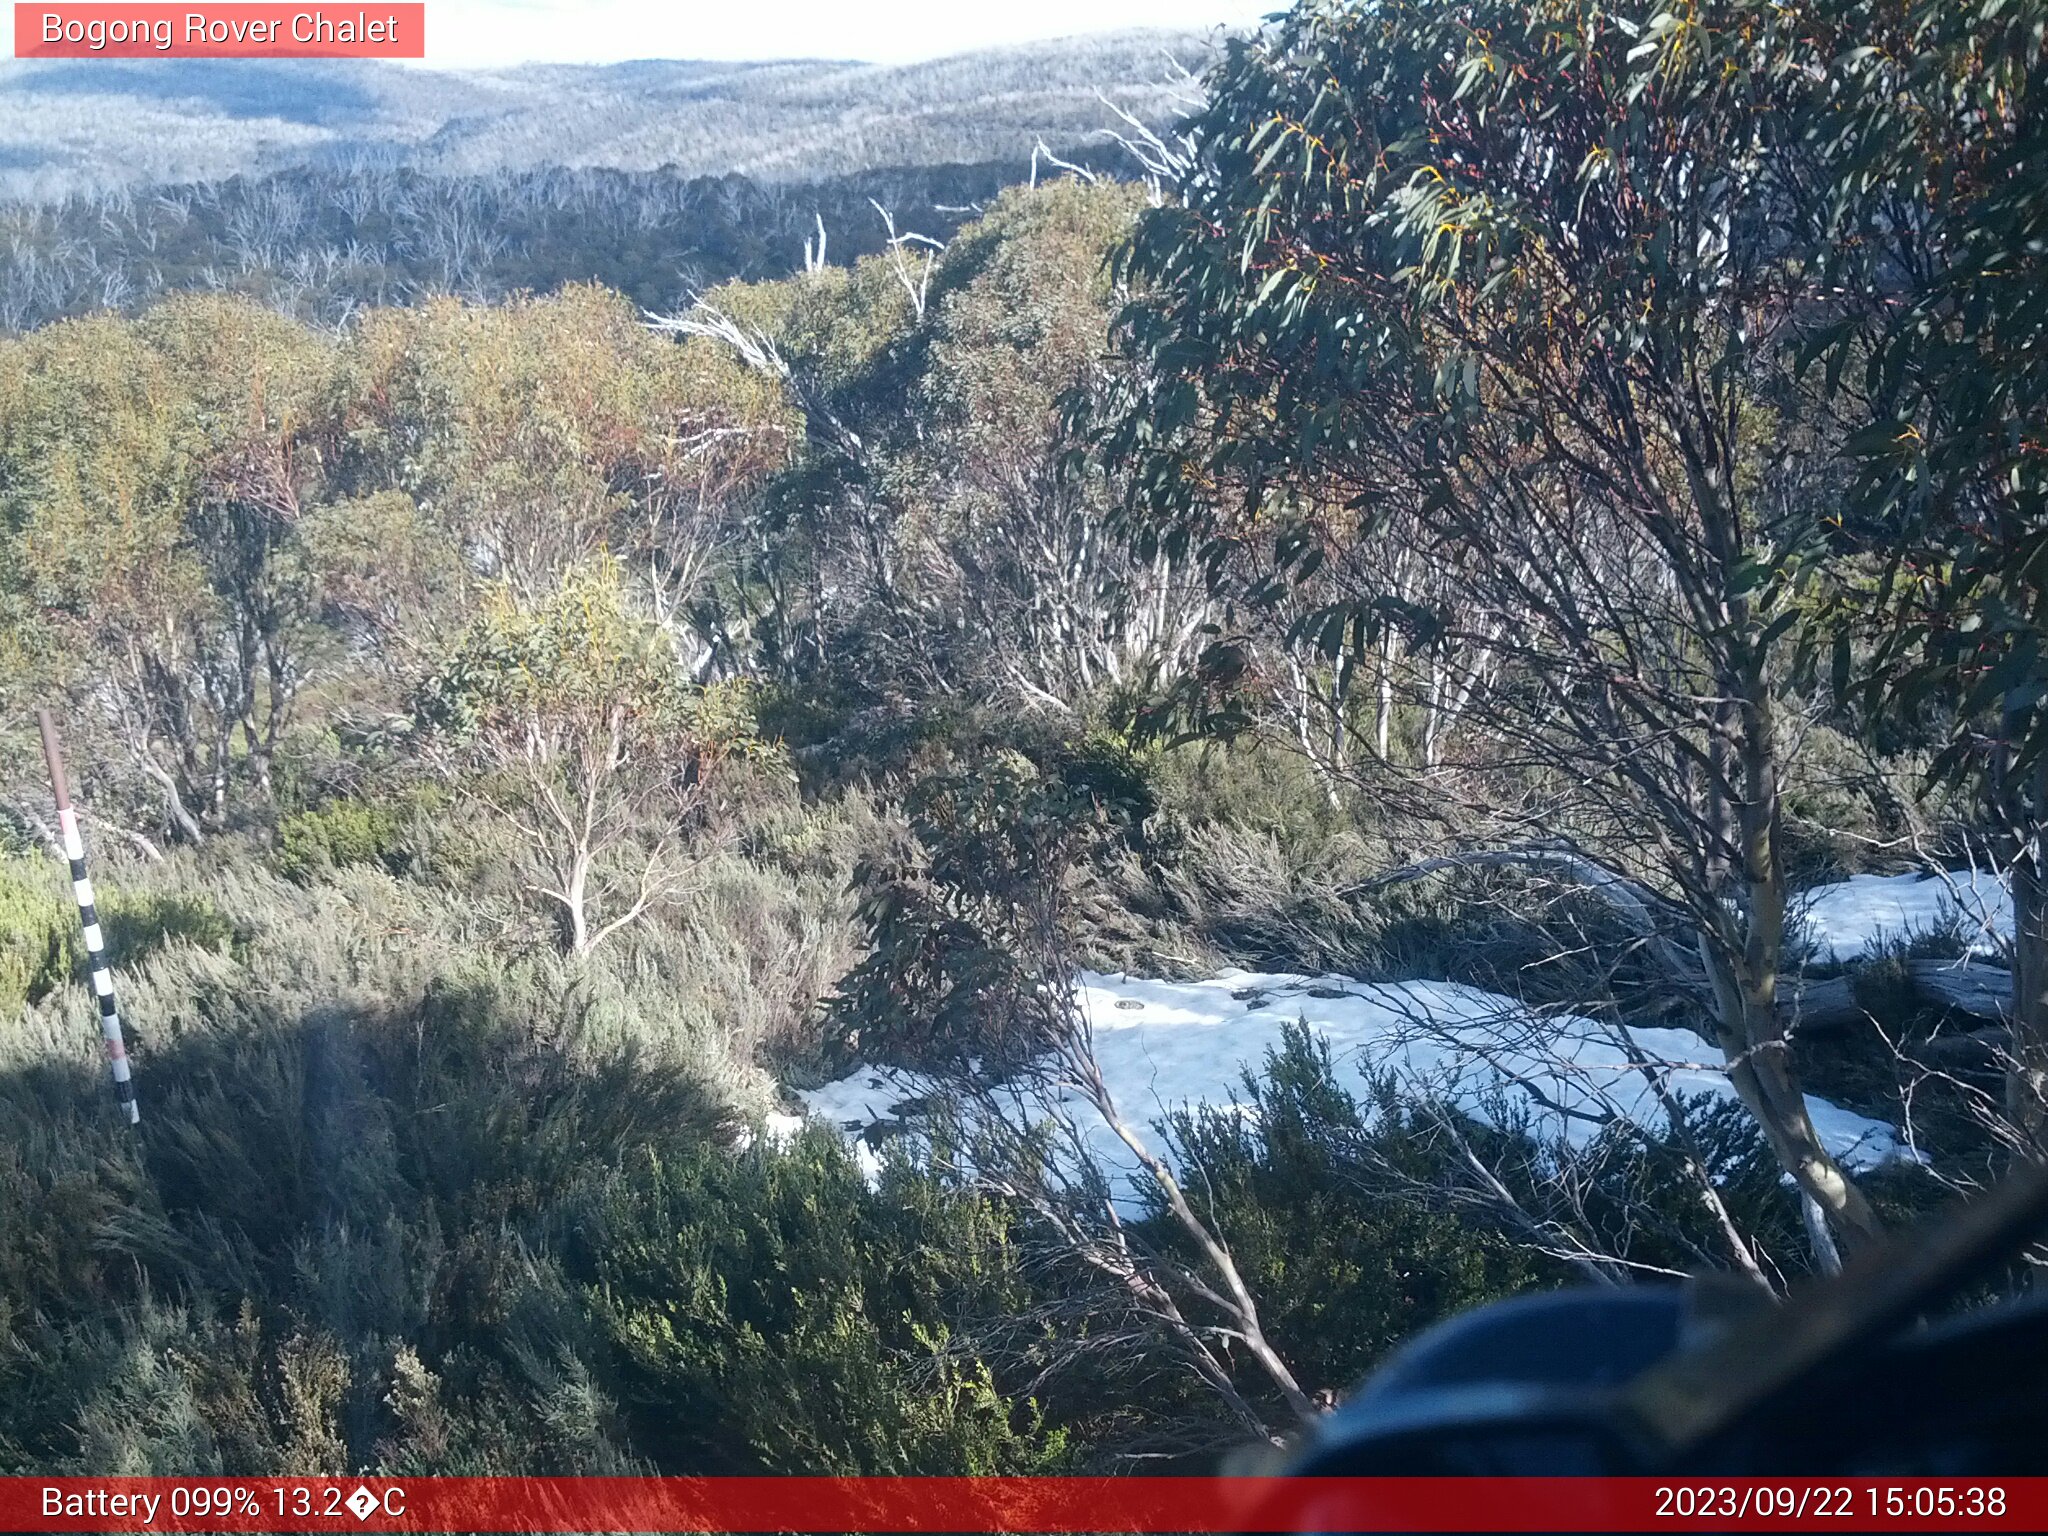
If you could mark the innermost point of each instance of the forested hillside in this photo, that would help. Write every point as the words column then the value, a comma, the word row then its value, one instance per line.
column 322, row 245
column 81, row 127
column 1023, row 853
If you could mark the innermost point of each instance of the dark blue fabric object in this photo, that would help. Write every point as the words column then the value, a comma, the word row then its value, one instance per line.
column 1582, row 1338
column 1516, row 1388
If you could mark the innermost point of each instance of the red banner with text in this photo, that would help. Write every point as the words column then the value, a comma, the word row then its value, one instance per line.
column 1019, row 1504
column 230, row 31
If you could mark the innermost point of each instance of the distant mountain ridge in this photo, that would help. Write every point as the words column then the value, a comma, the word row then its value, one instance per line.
column 87, row 125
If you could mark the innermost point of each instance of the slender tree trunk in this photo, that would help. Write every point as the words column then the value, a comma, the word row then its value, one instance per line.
column 223, row 752
column 2026, row 1082
column 1340, row 700
column 174, row 803
column 1432, row 712
column 1744, row 975
column 260, row 757
column 575, row 896
column 1301, row 708
column 1383, row 720
column 1760, row 1069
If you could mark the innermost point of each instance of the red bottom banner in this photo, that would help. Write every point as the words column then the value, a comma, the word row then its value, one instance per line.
column 1019, row 1504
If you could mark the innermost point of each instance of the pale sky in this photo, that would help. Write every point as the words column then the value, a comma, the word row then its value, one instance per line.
column 476, row 33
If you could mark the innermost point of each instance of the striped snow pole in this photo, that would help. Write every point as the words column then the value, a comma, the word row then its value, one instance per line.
column 95, row 946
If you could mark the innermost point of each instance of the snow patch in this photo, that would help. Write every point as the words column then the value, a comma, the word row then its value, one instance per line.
column 1166, row 1045
column 1847, row 919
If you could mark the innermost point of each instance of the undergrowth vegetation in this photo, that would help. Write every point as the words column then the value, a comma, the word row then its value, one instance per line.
column 519, row 743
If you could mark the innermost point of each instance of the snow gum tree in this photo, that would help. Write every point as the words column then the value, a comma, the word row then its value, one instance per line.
column 1934, row 344
column 154, row 572
column 569, row 720
column 1508, row 283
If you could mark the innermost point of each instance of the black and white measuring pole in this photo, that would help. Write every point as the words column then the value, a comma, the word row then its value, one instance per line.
column 95, row 944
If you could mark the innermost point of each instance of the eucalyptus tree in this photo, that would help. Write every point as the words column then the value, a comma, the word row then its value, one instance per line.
column 1936, row 342
column 1509, row 284
column 565, row 719
column 154, row 478
column 927, row 539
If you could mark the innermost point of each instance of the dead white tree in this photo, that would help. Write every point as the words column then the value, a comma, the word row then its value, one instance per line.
column 912, row 258
column 1162, row 158
column 1034, row 1136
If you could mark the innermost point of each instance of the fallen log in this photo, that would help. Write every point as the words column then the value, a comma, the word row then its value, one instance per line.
column 1807, row 1004
column 1981, row 990
column 1968, row 986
